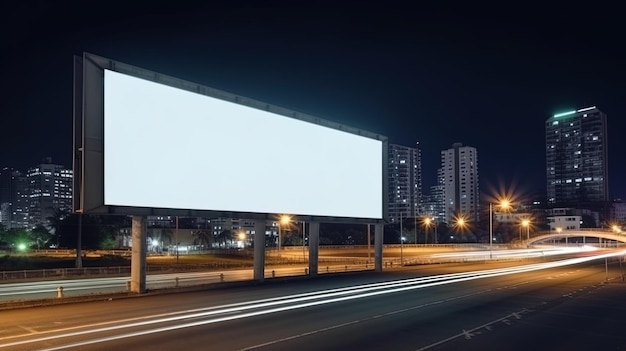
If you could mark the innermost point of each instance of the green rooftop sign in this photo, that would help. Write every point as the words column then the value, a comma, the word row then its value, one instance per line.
column 564, row 114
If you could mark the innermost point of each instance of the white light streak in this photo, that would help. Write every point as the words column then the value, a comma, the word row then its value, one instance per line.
column 284, row 303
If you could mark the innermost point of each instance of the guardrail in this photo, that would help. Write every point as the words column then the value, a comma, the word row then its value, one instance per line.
column 93, row 272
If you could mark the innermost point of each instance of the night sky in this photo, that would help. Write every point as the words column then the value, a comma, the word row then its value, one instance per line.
column 485, row 77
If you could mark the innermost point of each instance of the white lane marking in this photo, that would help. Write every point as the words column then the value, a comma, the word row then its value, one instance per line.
column 472, row 331
column 363, row 320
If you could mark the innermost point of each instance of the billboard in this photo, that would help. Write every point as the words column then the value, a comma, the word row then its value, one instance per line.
column 146, row 143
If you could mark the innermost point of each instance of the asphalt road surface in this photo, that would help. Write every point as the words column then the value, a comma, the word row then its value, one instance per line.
column 495, row 306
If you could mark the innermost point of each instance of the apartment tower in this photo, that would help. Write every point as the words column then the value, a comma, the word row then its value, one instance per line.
column 459, row 177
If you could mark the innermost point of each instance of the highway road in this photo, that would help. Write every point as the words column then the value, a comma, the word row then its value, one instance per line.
column 562, row 305
column 46, row 289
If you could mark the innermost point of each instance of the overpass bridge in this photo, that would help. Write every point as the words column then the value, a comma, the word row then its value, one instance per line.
column 579, row 236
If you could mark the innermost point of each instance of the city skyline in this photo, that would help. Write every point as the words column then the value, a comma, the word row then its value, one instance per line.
column 445, row 78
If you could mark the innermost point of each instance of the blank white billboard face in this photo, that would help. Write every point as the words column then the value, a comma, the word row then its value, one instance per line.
column 169, row 148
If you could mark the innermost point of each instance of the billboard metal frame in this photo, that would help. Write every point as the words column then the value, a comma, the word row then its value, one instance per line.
column 88, row 149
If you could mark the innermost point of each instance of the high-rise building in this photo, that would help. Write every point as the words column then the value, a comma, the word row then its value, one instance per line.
column 433, row 203
column 576, row 158
column 459, row 176
column 6, row 186
column 13, row 199
column 404, row 182
column 50, row 190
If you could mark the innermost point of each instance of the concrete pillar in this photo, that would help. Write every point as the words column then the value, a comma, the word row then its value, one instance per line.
column 138, row 259
column 259, row 250
column 314, row 247
column 378, row 247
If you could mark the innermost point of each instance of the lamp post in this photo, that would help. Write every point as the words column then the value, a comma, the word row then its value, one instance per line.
column 303, row 246
column 284, row 219
column 279, row 238
column 427, row 222
column 401, row 251
column 368, row 243
column 490, row 229
column 242, row 238
column 526, row 223
column 558, row 230
column 460, row 223
column 415, row 215
column 503, row 204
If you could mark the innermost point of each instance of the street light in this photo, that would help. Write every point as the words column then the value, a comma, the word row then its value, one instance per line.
column 427, row 221
column 242, row 238
column 460, row 223
column 558, row 230
column 504, row 204
column 284, row 219
column 526, row 223
column 415, row 226
column 401, row 248
column 303, row 243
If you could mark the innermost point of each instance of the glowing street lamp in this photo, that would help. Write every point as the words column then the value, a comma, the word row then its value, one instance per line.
column 283, row 220
column 526, row 223
column 504, row 204
column 461, row 223
column 427, row 222
column 559, row 230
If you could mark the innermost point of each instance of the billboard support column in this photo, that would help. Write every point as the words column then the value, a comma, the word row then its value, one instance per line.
column 314, row 247
column 378, row 247
column 138, row 259
column 259, row 250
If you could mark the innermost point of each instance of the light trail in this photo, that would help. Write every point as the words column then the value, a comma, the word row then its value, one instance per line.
column 291, row 302
column 516, row 253
column 14, row 291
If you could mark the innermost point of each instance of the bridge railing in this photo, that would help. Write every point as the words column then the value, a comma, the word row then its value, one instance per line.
column 565, row 231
